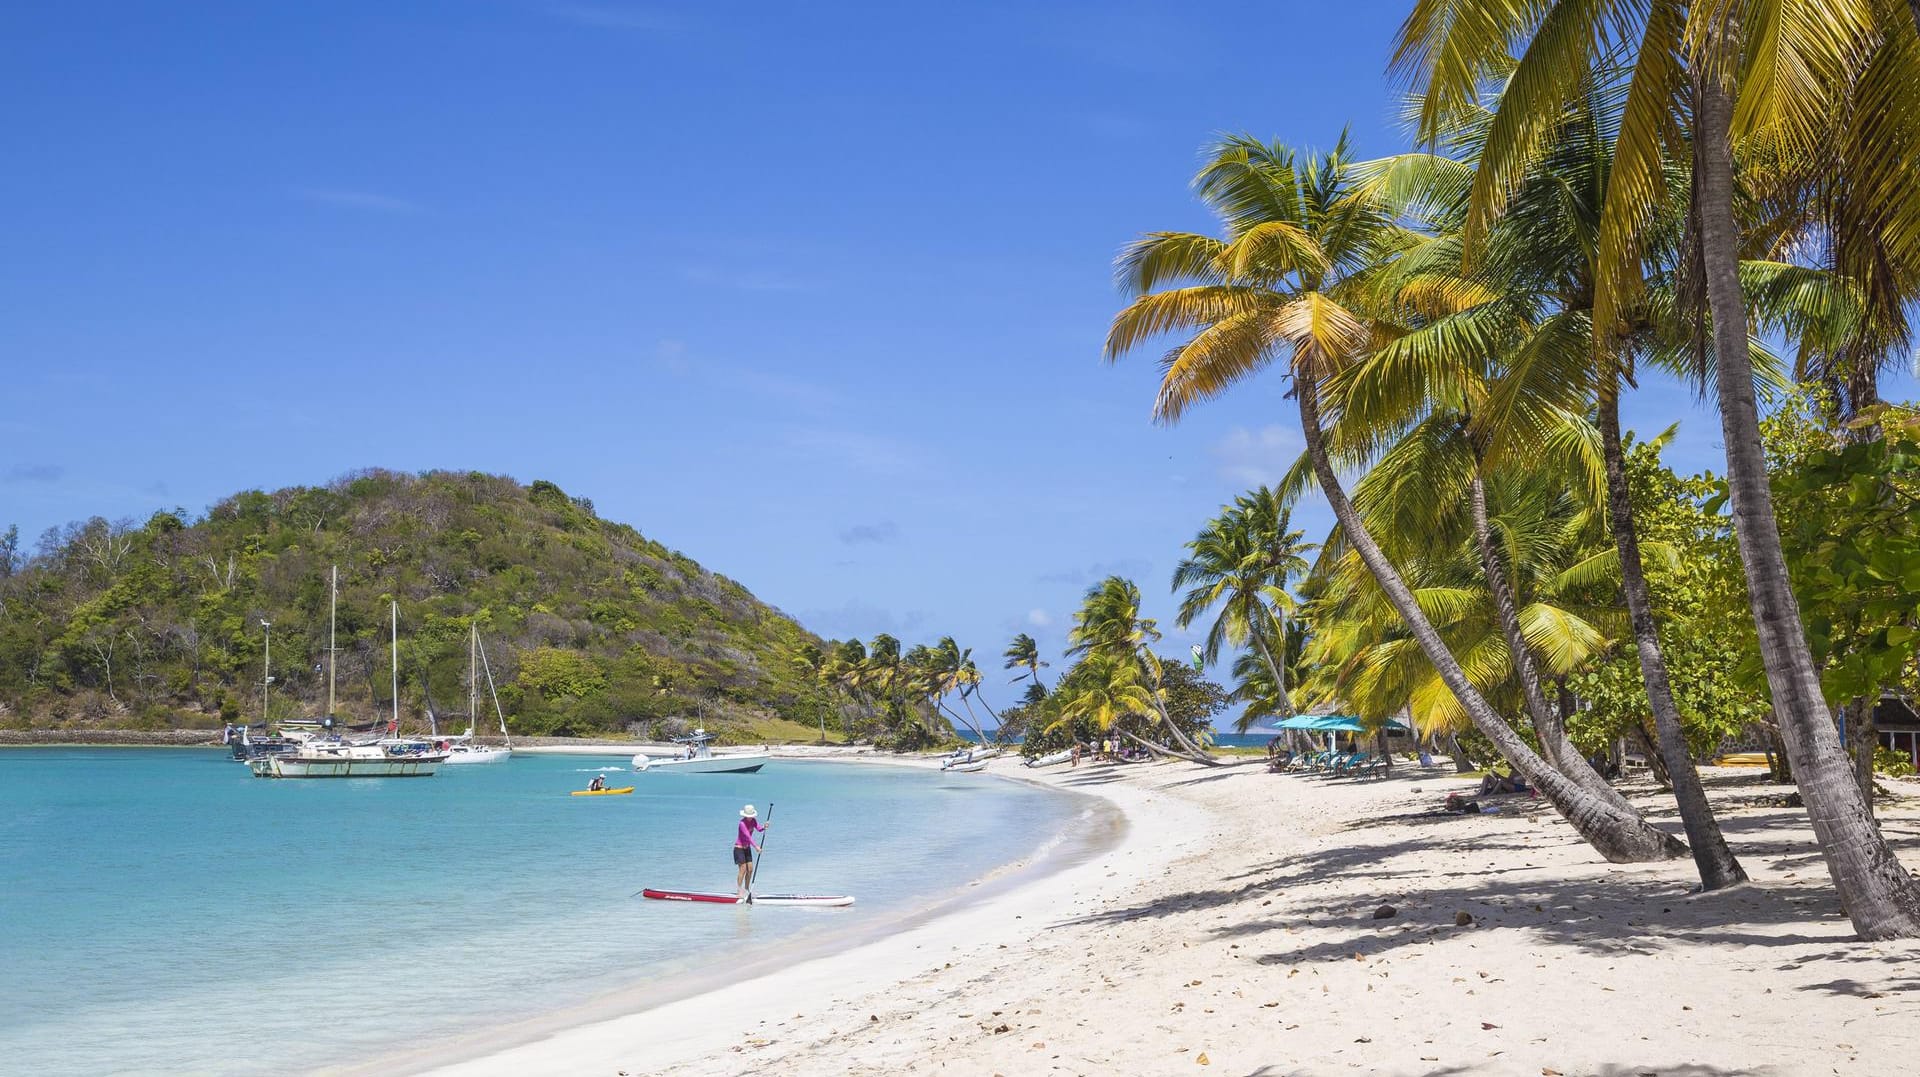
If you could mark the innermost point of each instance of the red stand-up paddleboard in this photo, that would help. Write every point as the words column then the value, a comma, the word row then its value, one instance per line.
column 754, row 899
column 758, row 899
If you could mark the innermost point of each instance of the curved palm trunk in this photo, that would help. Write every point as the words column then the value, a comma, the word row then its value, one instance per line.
column 1192, row 750
column 1621, row 837
column 1717, row 864
column 1546, row 721
column 1285, row 702
column 1881, row 899
column 991, row 713
column 1462, row 762
column 1859, row 727
column 955, row 715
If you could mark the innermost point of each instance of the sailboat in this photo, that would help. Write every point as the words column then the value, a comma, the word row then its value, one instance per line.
column 461, row 750
column 336, row 758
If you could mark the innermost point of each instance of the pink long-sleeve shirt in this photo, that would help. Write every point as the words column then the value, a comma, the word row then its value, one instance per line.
column 747, row 829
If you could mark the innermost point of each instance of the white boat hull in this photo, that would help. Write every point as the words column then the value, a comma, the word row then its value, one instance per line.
column 346, row 767
column 1050, row 760
column 741, row 763
column 477, row 754
column 966, row 768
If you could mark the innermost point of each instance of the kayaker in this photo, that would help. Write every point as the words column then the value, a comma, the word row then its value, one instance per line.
column 598, row 783
column 744, row 846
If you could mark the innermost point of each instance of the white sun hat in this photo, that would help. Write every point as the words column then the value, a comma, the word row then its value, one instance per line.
column 748, row 812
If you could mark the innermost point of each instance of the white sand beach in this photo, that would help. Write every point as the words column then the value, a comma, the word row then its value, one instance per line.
column 1237, row 927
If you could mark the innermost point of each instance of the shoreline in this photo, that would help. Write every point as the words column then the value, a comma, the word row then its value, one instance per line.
column 1296, row 923
column 670, row 1025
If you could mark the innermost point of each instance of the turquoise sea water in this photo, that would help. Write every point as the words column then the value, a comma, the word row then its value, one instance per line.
column 161, row 911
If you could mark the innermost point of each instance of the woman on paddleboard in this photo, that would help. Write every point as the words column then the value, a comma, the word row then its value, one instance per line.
column 744, row 846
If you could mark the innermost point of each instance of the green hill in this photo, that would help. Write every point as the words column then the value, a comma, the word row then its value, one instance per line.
column 591, row 626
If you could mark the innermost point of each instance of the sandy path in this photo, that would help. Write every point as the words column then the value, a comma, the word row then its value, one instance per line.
column 1234, row 930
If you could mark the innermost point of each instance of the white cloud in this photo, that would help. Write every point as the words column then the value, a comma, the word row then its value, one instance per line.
column 1130, row 567
column 880, row 533
column 861, row 620
column 35, row 473
column 1256, row 457
column 671, row 356
column 1039, row 618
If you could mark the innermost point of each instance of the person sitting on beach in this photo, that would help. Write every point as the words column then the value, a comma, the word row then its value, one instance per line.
column 598, row 783
column 744, row 847
column 1496, row 784
column 1459, row 805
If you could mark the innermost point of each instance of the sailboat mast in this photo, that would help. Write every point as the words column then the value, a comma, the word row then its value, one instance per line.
column 395, row 622
column 487, row 668
column 333, row 616
column 473, row 674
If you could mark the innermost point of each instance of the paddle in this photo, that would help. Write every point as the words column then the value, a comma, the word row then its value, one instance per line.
column 754, row 871
column 751, row 872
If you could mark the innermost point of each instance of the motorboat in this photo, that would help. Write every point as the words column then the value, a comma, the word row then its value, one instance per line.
column 698, row 758
column 246, row 746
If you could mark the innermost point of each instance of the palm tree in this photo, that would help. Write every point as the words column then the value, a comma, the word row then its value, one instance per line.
column 950, row 670
column 1106, row 689
column 1839, row 60
column 1024, row 653
column 1241, row 563
column 810, row 663
column 1108, row 624
column 881, row 673
column 1288, row 282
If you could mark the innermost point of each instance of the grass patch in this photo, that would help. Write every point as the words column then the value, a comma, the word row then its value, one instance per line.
column 781, row 731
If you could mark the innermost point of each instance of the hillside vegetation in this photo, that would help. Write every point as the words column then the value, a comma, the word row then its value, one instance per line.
column 591, row 626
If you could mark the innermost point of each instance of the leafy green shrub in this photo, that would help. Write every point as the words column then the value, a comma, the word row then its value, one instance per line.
column 1892, row 763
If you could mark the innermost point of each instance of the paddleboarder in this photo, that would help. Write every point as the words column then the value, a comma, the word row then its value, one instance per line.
column 744, row 847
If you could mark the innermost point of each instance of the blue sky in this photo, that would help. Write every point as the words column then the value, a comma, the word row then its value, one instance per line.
column 812, row 292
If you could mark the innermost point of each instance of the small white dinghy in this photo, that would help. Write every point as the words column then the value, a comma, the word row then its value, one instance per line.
column 1060, row 756
column 968, row 756
column 966, row 768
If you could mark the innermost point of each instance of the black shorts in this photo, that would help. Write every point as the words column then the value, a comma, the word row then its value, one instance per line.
column 743, row 854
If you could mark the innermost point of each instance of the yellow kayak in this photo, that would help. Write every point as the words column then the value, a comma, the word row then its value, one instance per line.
column 603, row 792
